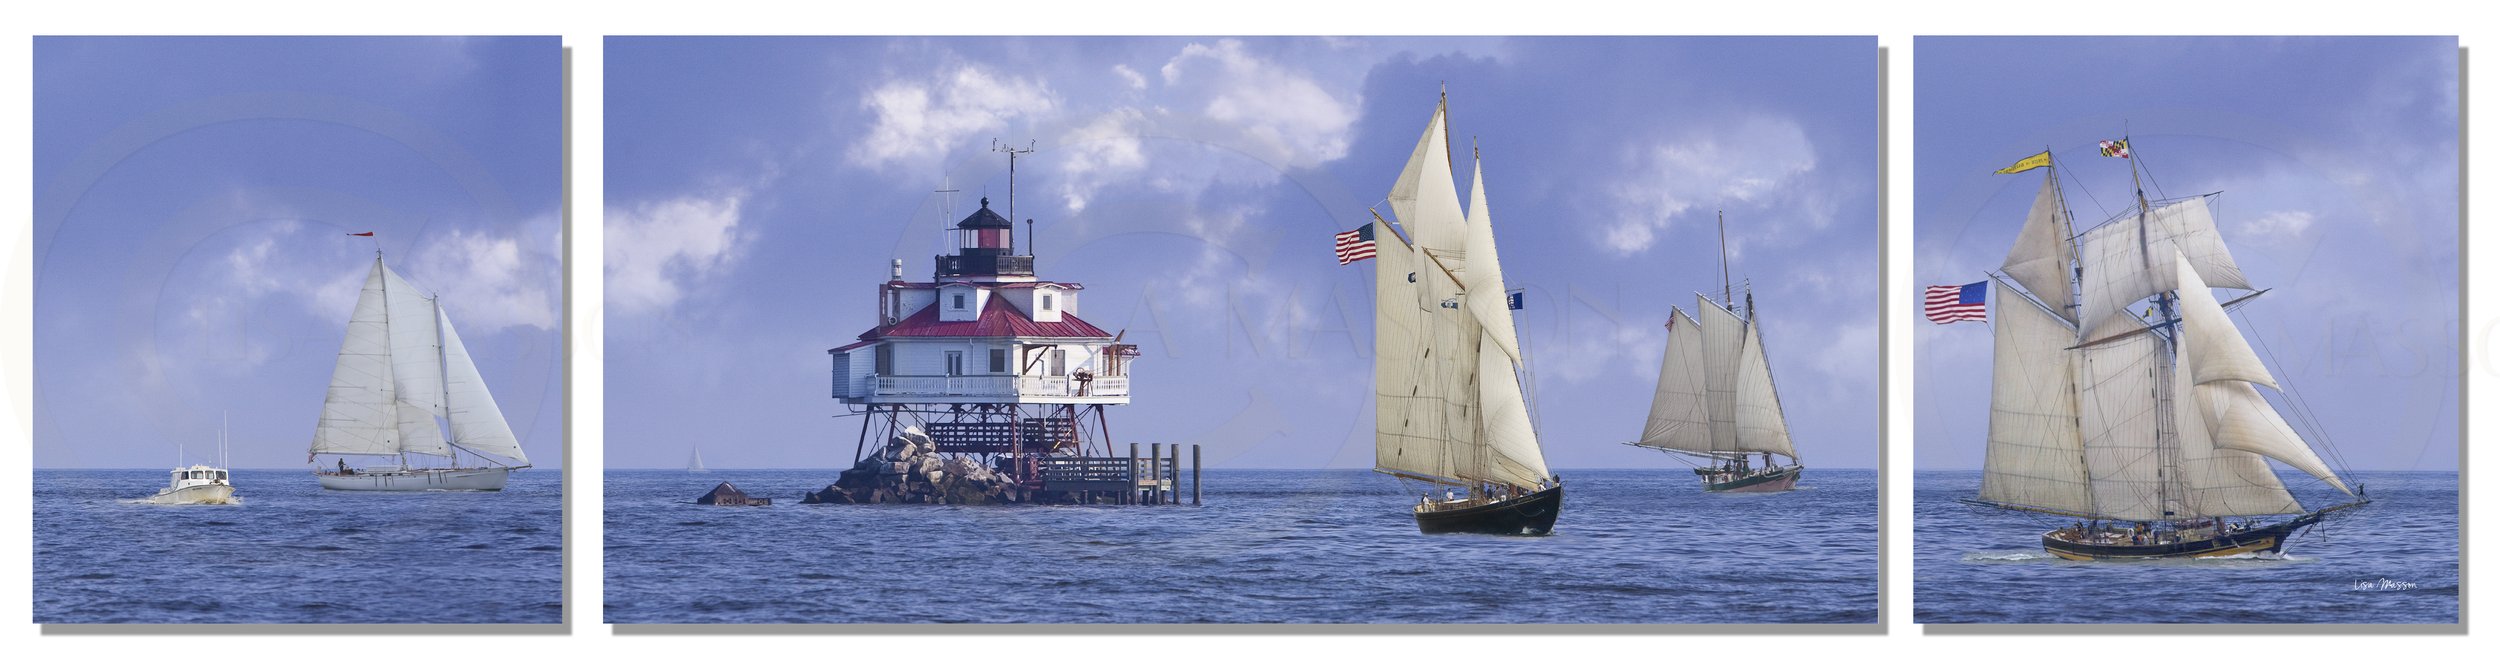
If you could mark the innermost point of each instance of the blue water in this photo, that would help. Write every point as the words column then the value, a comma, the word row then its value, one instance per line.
column 293, row 553
column 1268, row 546
column 2393, row 561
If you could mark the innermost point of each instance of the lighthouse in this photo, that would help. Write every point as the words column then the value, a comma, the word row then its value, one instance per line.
column 992, row 362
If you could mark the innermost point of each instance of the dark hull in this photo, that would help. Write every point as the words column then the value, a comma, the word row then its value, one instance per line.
column 2268, row 538
column 1777, row 481
column 1529, row 515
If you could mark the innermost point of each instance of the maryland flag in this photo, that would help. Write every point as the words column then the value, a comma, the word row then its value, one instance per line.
column 2028, row 162
column 2117, row 148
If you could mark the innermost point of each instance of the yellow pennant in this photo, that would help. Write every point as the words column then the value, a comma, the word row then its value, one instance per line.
column 2028, row 162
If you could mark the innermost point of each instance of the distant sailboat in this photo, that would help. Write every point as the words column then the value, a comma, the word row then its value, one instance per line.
column 1451, row 412
column 694, row 462
column 2148, row 430
column 1715, row 399
column 199, row 483
column 401, row 368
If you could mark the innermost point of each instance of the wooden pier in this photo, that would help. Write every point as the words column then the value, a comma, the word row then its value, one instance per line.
column 1153, row 479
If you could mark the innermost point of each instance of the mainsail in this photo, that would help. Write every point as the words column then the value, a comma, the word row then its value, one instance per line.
column 2109, row 415
column 400, row 368
column 1448, row 399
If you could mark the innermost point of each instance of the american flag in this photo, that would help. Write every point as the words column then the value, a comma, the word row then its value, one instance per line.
column 1947, row 304
column 1356, row 244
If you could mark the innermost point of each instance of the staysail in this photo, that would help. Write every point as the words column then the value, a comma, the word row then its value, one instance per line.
column 1760, row 426
column 477, row 424
column 1511, row 448
column 1722, row 342
column 1679, row 417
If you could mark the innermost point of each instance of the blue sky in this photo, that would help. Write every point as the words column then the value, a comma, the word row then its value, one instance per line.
column 2337, row 159
column 192, row 200
column 757, row 188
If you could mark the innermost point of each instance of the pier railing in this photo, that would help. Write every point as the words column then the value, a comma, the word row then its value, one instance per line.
column 995, row 386
column 1151, row 479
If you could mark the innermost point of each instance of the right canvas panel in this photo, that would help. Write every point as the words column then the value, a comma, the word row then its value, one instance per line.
column 2186, row 345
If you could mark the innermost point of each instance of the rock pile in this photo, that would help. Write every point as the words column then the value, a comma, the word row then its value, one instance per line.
column 729, row 495
column 908, row 470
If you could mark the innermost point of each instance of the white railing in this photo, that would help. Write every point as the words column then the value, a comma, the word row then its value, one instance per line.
column 989, row 386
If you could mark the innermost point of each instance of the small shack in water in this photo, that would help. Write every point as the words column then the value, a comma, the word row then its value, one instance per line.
column 728, row 495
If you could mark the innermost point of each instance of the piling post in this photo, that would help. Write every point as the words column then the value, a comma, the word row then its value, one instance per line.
column 1131, row 491
column 1154, row 466
column 1196, row 483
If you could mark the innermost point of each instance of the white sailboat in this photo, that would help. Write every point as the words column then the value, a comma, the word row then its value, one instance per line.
column 401, row 369
column 1451, row 412
column 199, row 483
column 1716, row 401
column 2148, row 429
column 694, row 462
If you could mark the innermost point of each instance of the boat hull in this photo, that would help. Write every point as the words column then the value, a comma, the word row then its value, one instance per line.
column 195, row 494
column 485, row 479
column 1776, row 481
column 2268, row 539
column 1532, row 514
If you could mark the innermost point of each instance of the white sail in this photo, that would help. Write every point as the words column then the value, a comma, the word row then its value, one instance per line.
column 477, row 424
column 2035, row 444
column 1425, row 197
column 2221, row 353
column 359, row 416
column 1760, row 426
column 1722, row 341
column 2040, row 253
column 2241, row 419
column 1510, row 442
column 2116, row 272
column 1679, row 418
column 1488, row 297
column 1407, row 398
column 2118, row 412
column 416, row 344
column 2218, row 482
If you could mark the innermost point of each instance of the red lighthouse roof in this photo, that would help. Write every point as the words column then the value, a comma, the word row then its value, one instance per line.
column 999, row 319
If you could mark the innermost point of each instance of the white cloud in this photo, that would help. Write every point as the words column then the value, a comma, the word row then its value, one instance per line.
column 1100, row 152
column 1748, row 161
column 1272, row 112
column 1136, row 81
column 495, row 281
column 656, row 250
column 2278, row 226
column 917, row 123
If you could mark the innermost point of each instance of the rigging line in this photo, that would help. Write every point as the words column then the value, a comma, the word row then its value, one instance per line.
column 2087, row 195
column 2300, row 405
column 2148, row 170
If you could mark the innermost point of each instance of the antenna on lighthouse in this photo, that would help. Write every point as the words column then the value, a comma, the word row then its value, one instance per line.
column 1012, row 153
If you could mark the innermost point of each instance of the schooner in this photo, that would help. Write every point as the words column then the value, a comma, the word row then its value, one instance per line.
column 400, row 369
column 2147, row 430
column 1451, row 413
column 1715, row 399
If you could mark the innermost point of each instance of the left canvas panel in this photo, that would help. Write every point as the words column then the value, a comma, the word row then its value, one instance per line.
column 298, row 330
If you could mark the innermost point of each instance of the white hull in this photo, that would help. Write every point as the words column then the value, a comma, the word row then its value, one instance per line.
column 417, row 480
column 195, row 494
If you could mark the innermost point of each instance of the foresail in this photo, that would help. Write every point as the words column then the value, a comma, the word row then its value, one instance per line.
column 2035, row 444
column 359, row 415
column 2219, row 482
column 418, row 433
column 2221, row 353
column 2241, row 419
column 416, row 352
column 1760, row 426
column 1425, row 197
column 477, row 424
column 2040, row 253
column 1678, row 416
column 2118, row 415
column 2116, row 272
column 1512, row 452
column 1488, row 297
column 1723, row 340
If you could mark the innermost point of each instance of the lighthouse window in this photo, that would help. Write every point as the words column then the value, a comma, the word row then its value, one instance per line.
column 998, row 360
column 1046, row 300
column 954, row 364
column 1058, row 363
column 959, row 301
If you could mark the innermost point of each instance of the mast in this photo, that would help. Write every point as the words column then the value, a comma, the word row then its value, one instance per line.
column 1727, row 286
column 442, row 368
column 2165, row 398
column 393, row 404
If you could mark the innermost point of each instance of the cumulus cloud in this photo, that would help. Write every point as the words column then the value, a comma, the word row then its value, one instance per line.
column 657, row 250
column 919, row 121
column 1099, row 152
column 1719, row 164
column 2277, row 226
column 1274, row 112
column 1136, row 81
column 493, row 281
